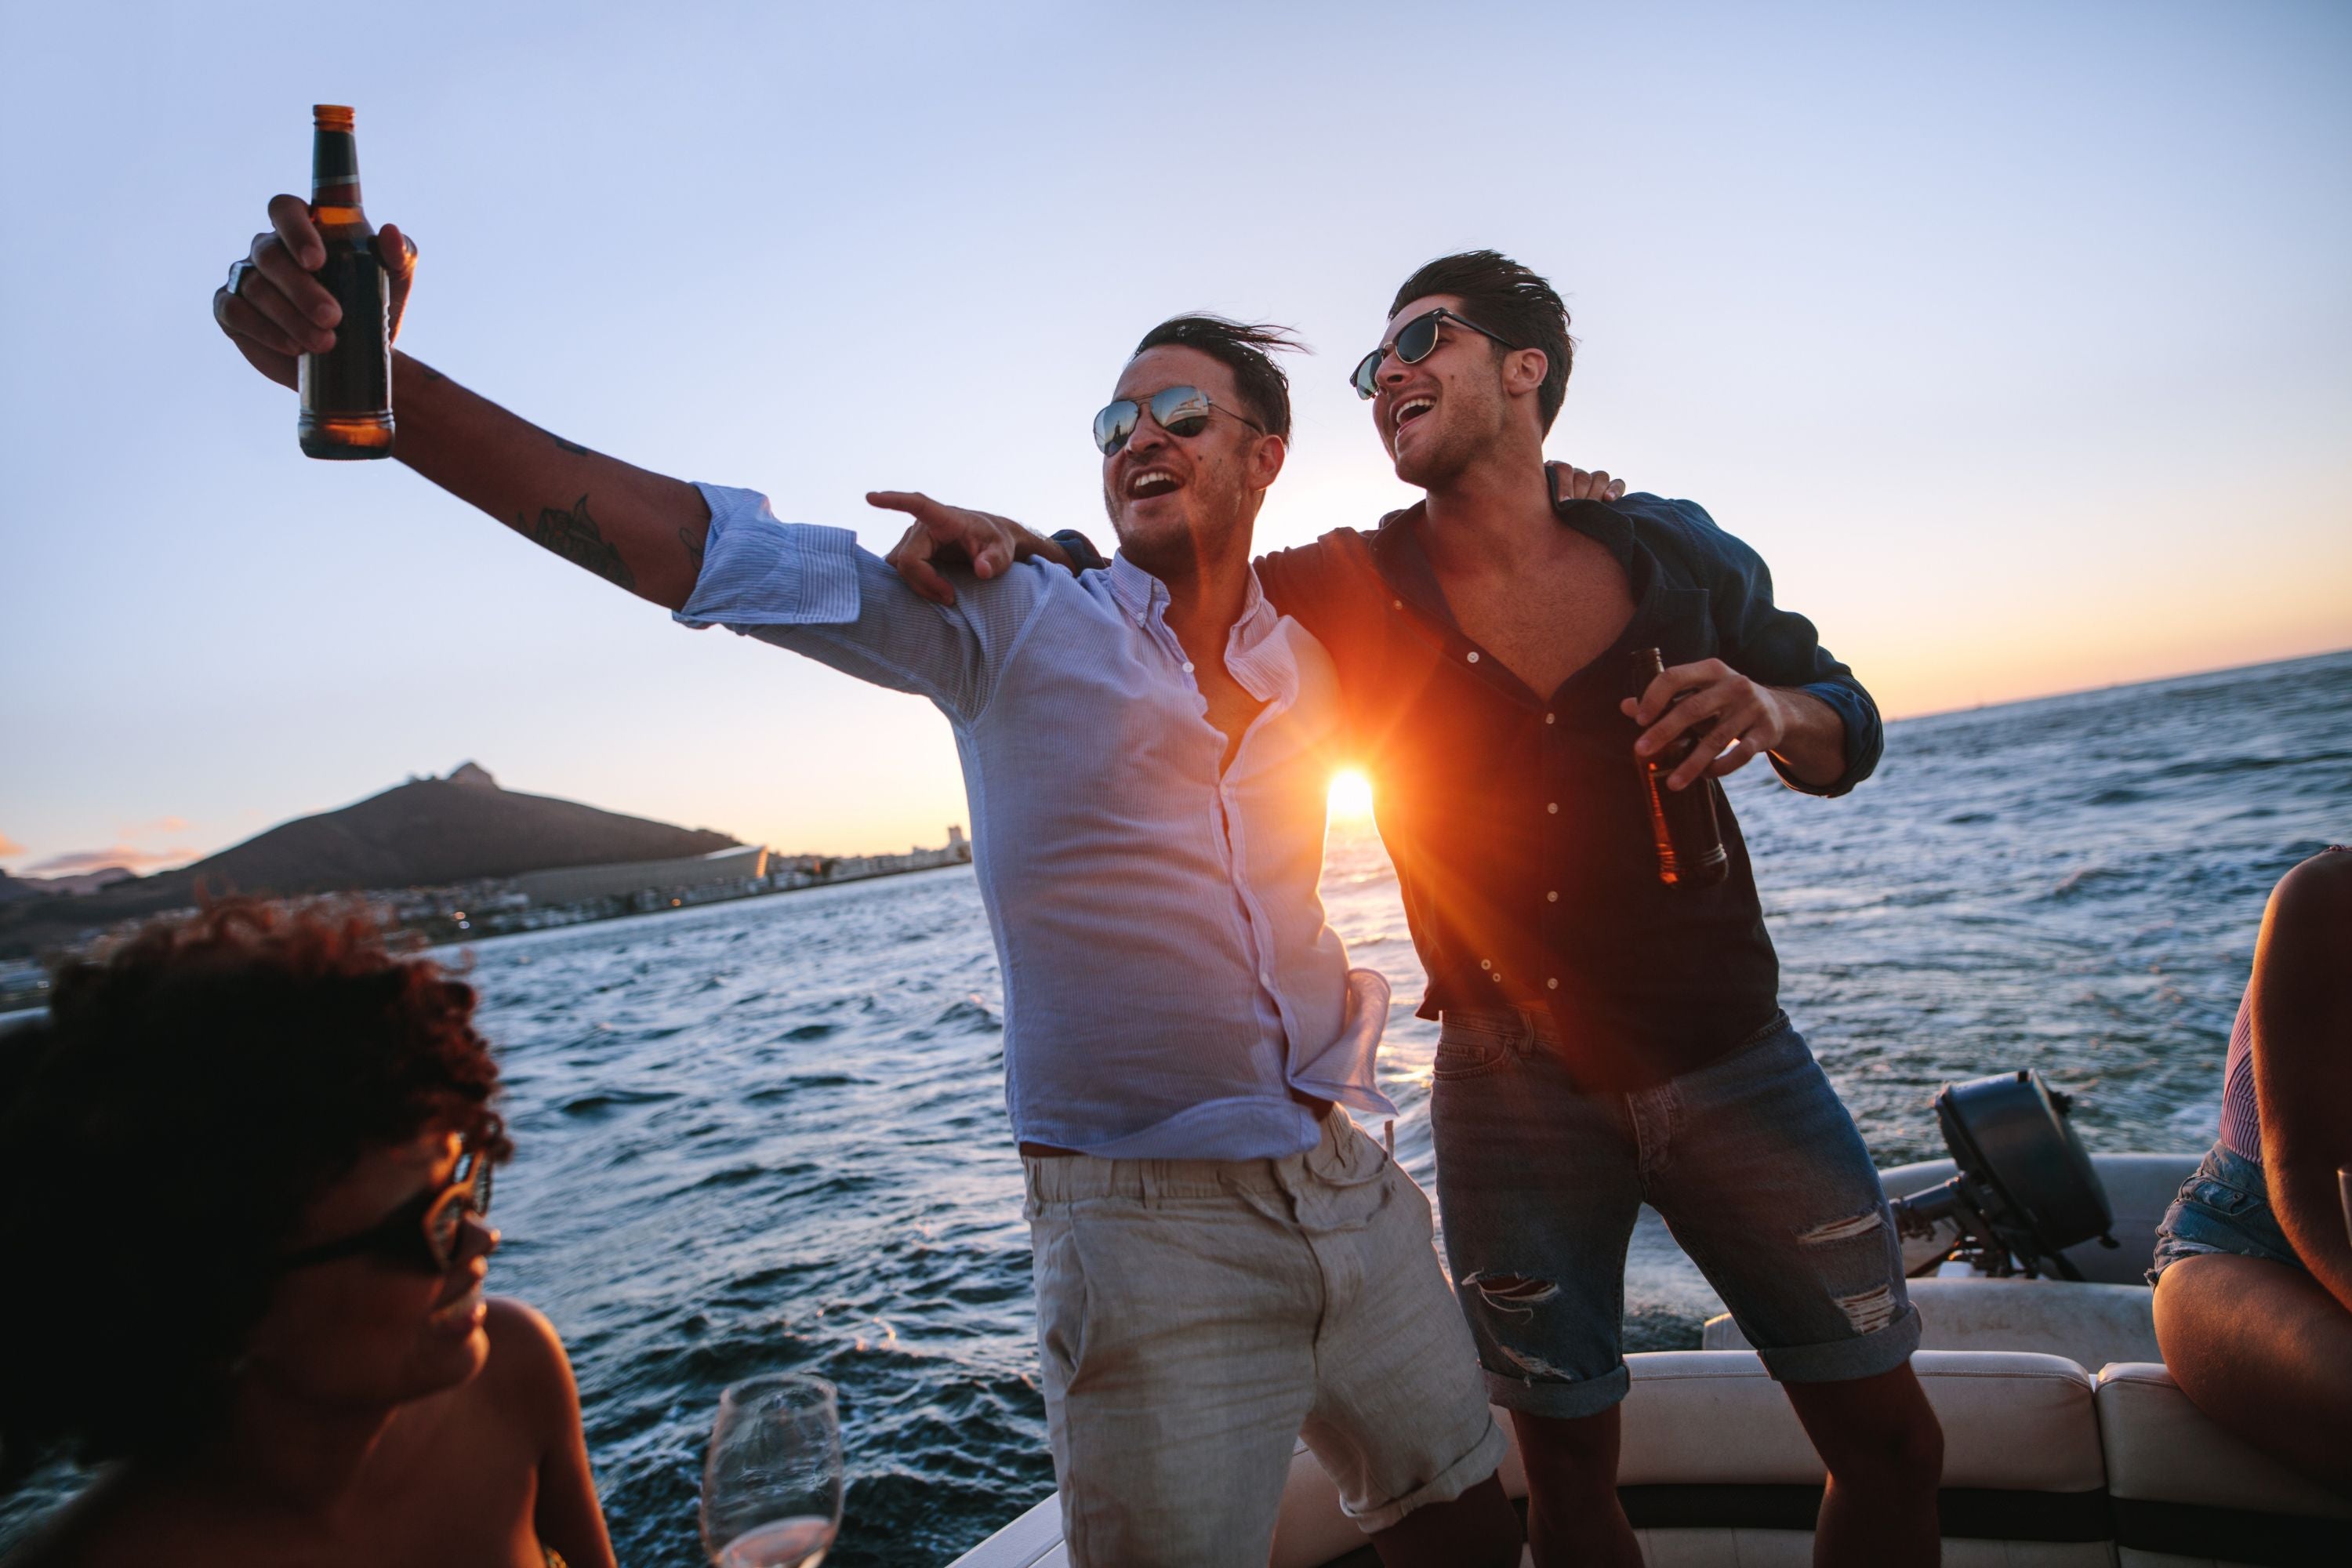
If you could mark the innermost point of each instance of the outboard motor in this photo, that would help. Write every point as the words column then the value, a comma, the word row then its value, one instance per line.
column 2026, row 1190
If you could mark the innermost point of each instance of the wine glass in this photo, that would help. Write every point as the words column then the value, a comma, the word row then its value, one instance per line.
column 772, row 1484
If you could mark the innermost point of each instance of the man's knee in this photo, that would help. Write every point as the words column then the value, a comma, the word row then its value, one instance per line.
column 1583, row 1446
column 1879, row 1432
column 1903, row 1451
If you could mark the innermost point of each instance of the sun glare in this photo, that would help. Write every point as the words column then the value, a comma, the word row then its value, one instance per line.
column 1351, row 796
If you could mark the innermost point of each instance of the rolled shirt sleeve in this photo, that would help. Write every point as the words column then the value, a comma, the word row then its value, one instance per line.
column 1781, row 647
column 817, row 591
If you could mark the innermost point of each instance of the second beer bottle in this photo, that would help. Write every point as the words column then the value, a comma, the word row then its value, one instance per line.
column 347, row 391
column 1682, row 822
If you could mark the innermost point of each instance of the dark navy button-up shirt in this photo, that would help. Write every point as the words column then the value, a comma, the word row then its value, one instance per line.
column 1516, row 819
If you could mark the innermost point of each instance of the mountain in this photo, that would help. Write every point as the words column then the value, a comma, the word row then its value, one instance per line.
column 430, row 831
column 425, row 833
column 79, row 882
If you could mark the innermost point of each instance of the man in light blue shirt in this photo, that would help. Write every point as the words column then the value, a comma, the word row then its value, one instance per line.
column 1223, row 1262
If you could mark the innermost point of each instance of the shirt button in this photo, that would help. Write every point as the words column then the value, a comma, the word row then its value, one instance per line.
column 1474, row 658
column 1547, row 718
column 1497, row 977
column 1552, row 897
column 1486, row 964
column 1187, row 667
column 1553, row 806
column 1552, row 984
column 1396, row 604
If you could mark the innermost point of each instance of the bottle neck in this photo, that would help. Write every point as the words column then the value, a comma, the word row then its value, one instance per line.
column 335, row 174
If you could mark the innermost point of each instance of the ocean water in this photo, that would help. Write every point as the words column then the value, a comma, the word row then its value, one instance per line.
column 769, row 1135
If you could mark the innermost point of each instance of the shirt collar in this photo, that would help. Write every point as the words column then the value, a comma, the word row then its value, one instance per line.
column 1403, row 559
column 1144, row 597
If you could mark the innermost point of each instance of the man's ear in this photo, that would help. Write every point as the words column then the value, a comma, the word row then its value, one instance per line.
column 1524, row 371
column 1267, row 454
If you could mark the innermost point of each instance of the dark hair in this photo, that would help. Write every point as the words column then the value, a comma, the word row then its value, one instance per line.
column 1504, row 297
column 163, row 1134
column 1242, row 347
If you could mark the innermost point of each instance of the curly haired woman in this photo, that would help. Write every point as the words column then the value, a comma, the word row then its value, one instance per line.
column 243, row 1174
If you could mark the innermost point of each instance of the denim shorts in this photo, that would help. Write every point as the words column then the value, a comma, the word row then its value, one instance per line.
column 2225, row 1206
column 1752, row 1161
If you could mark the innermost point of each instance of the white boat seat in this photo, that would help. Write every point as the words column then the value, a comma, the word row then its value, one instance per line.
column 2090, row 1325
column 1715, row 1468
column 2186, row 1492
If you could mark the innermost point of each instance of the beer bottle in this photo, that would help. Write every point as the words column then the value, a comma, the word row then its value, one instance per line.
column 1682, row 822
column 347, row 391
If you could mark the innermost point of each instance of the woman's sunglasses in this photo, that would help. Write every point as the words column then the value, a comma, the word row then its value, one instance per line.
column 1413, row 344
column 421, row 1234
column 1180, row 410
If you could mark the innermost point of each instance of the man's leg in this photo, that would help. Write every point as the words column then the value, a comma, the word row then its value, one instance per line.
column 1478, row 1527
column 1884, row 1450
column 1768, row 1185
column 1176, row 1333
column 1573, row 1512
column 1539, row 1189
column 1399, row 1420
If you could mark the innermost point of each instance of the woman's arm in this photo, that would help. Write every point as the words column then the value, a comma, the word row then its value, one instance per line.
column 2303, row 1060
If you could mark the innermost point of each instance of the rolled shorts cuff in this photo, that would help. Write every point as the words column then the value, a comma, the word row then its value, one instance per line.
column 1845, row 1361
column 1560, row 1399
column 1483, row 1460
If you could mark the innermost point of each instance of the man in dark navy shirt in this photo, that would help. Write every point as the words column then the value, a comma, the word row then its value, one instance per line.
column 1605, row 1039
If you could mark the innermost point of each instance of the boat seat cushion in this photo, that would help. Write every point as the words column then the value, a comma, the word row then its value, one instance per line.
column 2185, row 1491
column 2090, row 1325
column 2013, row 1421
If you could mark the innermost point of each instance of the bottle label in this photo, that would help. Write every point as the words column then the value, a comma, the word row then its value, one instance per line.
column 334, row 160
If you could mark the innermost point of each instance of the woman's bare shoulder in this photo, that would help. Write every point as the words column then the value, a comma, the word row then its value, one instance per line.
column 528, row 1375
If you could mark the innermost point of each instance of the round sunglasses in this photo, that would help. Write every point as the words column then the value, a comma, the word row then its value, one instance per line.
column 1414, row 343
column 1180, row 410
column 421, row 1234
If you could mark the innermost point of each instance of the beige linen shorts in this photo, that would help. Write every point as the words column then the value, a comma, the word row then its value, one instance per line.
column 1196, row 1317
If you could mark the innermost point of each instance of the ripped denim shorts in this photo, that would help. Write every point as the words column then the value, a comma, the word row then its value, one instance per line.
column 1752, row 1161
column 2225, row 1206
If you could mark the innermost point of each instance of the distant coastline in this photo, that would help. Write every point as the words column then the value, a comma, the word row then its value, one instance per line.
column 2119, row 685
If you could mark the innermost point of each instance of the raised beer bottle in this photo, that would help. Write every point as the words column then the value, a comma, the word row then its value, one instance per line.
column 1682, row 822
column 347, row 391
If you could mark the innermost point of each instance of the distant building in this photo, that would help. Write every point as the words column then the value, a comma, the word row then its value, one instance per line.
column 668, row 879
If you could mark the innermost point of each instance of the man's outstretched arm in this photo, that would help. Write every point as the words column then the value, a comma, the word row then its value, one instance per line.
column 642, row 531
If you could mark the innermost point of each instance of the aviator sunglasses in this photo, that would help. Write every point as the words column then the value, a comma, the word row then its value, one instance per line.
column 1414, row 343
column 421, row 1234
column 1179, row 410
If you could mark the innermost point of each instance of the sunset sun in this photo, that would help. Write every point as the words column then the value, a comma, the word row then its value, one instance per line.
column 1351, row 796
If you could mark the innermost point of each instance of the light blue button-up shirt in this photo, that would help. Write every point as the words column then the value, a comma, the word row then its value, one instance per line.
column 1169, row 975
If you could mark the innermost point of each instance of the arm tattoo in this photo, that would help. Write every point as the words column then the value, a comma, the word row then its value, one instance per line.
column 576, row 450
column 574, row 535
column 694, row 544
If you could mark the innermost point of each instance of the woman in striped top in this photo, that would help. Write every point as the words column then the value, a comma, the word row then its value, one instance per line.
column 2253, row 1261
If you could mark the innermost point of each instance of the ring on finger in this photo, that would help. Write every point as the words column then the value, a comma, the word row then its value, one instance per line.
column 236, row 274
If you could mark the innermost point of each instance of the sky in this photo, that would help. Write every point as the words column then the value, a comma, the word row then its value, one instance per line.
column 2016, row 338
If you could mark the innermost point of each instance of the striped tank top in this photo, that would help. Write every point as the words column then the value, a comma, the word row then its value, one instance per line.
column 2242, row 1120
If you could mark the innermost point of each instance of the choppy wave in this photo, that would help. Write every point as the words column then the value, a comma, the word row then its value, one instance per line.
column 769, row 1135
